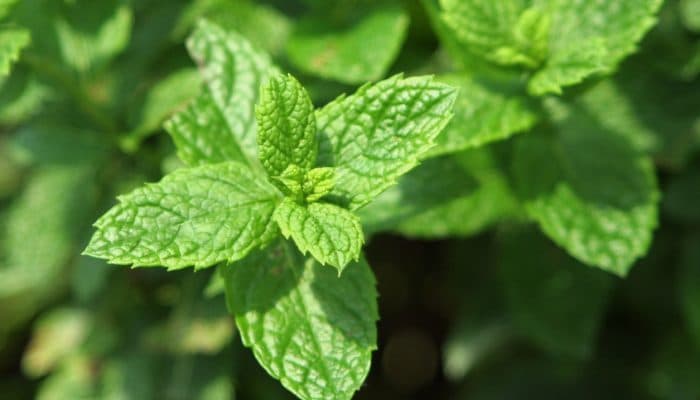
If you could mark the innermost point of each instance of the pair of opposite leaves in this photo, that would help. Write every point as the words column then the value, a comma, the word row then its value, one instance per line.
column 223, row 206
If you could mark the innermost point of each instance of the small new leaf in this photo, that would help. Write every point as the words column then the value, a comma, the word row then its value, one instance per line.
column 379, row 133
column 286, row 126
column 318, row 183
column 331, row 234
column 197, row 216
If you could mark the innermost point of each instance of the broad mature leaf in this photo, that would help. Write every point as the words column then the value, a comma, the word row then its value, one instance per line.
column 553, row 300
column 482, row 114
column 505, row 32
column 379, row 133
column 331, row 234
column 458, row 194
column 193, row 217
column 286, row 126
column 310, row 329
column 354, row 52
column 689, row 282
column 12, row 41
column 591, row 36
column 219, row 125
column 589, row 190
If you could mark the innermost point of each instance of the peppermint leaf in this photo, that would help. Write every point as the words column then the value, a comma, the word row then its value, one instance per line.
column 379, row 133
column 310, row 329
column 198, row 216
column 286, row 126
column 589, row 190
column 331, row 234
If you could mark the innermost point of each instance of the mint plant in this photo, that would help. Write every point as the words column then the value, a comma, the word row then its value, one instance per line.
column 239, row 197
column 350, row 199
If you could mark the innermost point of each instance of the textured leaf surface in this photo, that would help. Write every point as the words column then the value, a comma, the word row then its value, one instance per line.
column 220, row 124
column 12, row 41
column 379, row 133
column 286, row 126
column 589, row 190
column 310, row 329
column 198, row 216
column 449, row 195
column 482, row 115
column 542, row 288
column 331, row 234
column 342, row 52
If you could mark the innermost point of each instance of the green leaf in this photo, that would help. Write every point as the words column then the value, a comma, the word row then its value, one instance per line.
column 310, row 329
column 341, row 51
column 543, row 285
column 591, row 37
column 12, row 41
column 589, row 190
column 198, row 216
column 331, row 234
column 482, row 114
column 380, row 133
column 505, row 32
column 458, row 194
column 286, row 126
column 220, row 123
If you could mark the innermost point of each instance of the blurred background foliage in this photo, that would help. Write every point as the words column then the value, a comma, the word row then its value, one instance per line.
column 494, row 312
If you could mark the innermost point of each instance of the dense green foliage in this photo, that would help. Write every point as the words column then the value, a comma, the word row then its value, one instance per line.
column 355, row 199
